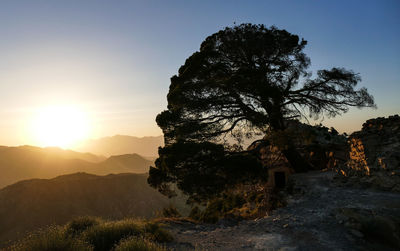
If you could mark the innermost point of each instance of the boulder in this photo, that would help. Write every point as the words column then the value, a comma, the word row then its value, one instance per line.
column 380, row 229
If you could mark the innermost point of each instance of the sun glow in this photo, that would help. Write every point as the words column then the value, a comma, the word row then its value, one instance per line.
column 61, row 126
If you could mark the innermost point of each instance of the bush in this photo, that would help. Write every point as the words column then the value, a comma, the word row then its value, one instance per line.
column 218, row 208
column 154, row 232
column 210, row 216
column 81, row 224
column 51, row 239
column 106, row 235
column 171, row 211
column 89, row 233
column 246, row 202
column 195, row 213
column 138, row 244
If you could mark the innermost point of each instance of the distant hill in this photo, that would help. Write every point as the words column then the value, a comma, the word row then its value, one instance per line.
column 27, row 162
column 122, row 144
column 55, row 152
column 126, row 163
column 30, row 204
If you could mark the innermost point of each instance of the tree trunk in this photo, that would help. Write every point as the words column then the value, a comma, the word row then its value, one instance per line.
column 298, row 163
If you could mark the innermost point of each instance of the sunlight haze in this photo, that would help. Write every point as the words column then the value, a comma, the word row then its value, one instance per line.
column 62, row 126
column 115, row 60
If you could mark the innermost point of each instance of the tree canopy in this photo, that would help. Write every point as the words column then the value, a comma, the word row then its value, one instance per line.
column 245, row 79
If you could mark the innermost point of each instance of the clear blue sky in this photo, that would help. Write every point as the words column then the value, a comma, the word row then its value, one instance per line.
column 115, row 58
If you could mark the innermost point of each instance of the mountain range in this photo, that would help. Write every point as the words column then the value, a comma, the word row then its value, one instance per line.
column 28, row 162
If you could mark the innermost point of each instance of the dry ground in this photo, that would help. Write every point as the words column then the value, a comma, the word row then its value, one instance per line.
column 321, row 216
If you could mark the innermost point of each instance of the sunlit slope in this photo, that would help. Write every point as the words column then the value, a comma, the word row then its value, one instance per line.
column 30, row 204
column 26, row 162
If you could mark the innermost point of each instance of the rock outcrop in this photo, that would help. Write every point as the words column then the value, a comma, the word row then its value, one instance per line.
column 320, row 146
column 369, row 158
column 374, row 157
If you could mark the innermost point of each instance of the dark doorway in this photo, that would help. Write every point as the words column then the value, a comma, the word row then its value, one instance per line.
column 280, row 179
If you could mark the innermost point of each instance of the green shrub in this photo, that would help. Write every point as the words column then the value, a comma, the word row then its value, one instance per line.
column 210, row 216
column 138, row 244
column 88, row 233
column 105, row 236
column 81, row 224
column 244, row 203
column 51, row 239
column 154, row 232
column 218, row 208
column 171, row 211
column 195, row 213
column 234, row 201
column 255, row 197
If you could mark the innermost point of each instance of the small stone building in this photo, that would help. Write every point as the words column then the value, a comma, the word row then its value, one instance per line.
column 320, row 147
column 278, row 167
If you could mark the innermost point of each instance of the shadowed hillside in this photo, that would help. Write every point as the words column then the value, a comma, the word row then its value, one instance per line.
column 122, row 144
column 30, row 204
column 27, row 162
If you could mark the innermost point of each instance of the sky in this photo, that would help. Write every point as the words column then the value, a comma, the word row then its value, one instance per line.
column 113, row 60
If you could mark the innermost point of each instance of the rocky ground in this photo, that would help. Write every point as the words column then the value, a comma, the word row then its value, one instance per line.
column 321, row 215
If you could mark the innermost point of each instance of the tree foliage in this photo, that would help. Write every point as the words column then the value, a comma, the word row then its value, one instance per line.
column 245, row 79
column 202, row 170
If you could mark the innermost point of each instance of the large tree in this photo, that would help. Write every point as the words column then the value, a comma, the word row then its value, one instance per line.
column 245, row 79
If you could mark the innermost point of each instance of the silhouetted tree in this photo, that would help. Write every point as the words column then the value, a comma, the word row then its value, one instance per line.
column 245, row 79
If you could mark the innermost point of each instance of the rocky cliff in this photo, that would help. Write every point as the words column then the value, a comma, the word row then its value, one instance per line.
column 374, row 157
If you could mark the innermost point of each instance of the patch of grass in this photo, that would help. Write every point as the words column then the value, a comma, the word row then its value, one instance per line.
column 104, row 236
column 94, row 234
column 51, row 239
column 81, row 224
column 218, row 208
column 246, row 202
column 155, row 232
column 138, row 244
column 171, row 212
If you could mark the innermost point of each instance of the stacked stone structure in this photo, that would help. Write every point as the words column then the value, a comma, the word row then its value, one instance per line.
column 375, row 153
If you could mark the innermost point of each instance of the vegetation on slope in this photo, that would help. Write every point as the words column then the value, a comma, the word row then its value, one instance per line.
column 30, row 204
column 88, row 233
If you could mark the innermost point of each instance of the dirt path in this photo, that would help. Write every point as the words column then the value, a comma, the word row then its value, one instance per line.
column 320, row 219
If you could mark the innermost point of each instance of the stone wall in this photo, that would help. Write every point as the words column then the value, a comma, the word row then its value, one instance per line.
column 320, row 146
column 375, row 153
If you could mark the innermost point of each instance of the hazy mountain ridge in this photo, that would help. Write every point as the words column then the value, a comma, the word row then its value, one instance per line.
column 123, row 144
column 29, row 204
column 56, row 151
column 126, row 161
column 28, row 162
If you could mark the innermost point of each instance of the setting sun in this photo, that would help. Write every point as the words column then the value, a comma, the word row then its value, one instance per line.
column 61, row 126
